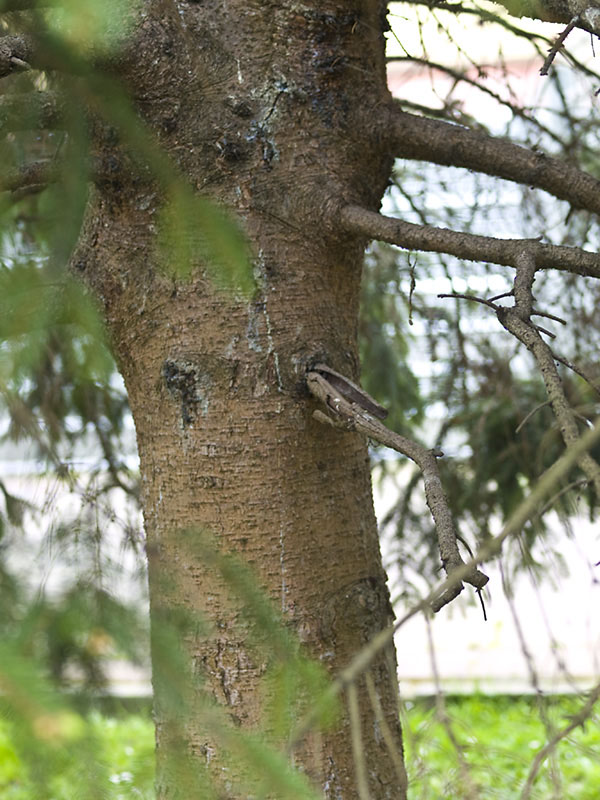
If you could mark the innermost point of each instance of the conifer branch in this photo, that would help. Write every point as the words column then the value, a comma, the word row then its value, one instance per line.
column 468, row 246
column 448, row 144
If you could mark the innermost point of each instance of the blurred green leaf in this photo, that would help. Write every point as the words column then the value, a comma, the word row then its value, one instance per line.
column 195, row 234
column 85, row 24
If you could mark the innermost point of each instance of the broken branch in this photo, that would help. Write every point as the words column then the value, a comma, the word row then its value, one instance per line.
column 351, row 413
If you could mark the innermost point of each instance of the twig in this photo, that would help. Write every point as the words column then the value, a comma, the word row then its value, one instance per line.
column 500, row 296
column 544, row 330
column 579, row 371
column 388, row 737
column 19, row 64
column 536, row 313
column 362, row 782
column 560, row 40
column 470, row 297
column 353, row 414
column 530, row 415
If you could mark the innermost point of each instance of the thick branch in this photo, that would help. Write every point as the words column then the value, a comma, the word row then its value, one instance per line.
column 451, row 145
column 31, row 110
column 469, row 246
column 352, row 413
column 16, row 53
column 29, row 177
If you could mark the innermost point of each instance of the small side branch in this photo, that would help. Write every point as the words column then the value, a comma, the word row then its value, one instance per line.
column 557, row 46
column 451, row 145
column 517, row 321
column 468, row 246
column 351, row 413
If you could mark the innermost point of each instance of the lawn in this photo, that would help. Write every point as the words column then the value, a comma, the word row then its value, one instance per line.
column 496, row 738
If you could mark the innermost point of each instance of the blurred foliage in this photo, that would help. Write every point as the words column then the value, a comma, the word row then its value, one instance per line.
column 292, row 684
column 73, row 518
column 121, row 764
column 86, row 24
column 498, row 735
column 192, row 231
column 72, row 588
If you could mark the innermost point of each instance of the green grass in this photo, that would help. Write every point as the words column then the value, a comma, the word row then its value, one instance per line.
column 76, row 758
column 111, row 757
column 498, row 738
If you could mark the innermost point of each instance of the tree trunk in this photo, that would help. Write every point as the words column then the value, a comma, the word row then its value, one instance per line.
column 269, row 109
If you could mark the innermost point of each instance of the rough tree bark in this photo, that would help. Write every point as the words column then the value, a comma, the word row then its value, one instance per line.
column 268, row 108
